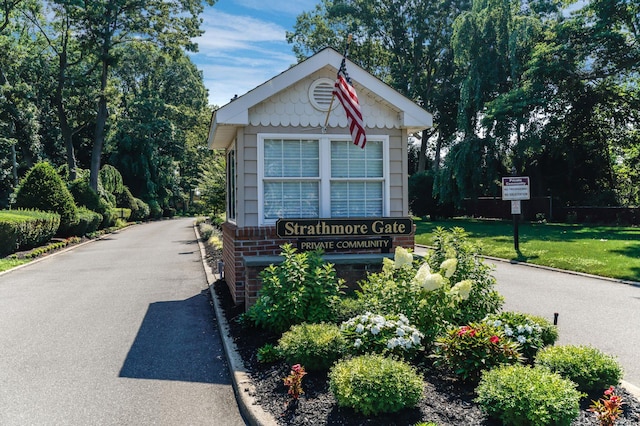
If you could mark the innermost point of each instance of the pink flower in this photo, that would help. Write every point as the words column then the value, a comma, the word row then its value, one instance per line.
column 609, row 391
column 494, row 339
column 463, row 330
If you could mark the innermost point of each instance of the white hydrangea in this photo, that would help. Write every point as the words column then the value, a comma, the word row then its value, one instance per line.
column 357, row 343
column 462, row 289
column 449, row 266
column 402, row 258
column 521, row 339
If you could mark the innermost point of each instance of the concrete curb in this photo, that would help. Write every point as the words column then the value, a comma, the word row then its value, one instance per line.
column 243, row 387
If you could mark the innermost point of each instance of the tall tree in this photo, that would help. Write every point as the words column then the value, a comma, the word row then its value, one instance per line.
column 103, row 25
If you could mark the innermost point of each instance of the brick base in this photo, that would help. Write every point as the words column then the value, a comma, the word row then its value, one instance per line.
column 243, row 281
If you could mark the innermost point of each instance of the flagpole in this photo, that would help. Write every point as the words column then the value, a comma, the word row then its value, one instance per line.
column 333, row 94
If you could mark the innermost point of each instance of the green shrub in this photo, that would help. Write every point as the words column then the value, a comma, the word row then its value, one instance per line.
column 24, row 229
column 88, row 222
column 268, row 353
column 43, row 189
column 141, row 212
column 348, row 307
column 483, row 298
column 473, row 348
column 374, row 384
column 590, row 368
column 303, row 288
column 155, row 210
column 111, row 179
column 205, row 230
column 531, row 332
column 390, row 335
column 316, row 346
column 522, row 395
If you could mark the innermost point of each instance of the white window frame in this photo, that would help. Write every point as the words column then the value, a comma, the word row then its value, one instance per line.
column 324, row 170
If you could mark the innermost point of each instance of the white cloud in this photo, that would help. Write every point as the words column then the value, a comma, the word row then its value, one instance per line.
column 291, row 7
column 238, row 53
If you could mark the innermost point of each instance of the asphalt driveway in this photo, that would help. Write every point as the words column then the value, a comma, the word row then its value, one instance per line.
column 119, row 331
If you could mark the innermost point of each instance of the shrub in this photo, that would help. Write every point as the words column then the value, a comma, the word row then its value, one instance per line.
column 205, row 230
column 155, row 210
column 374, row 384
column 268, row 353
column 141, row 212
column 316, row 346
column 88, row 222
column 303, row 288
column 589, row 367
column 348, row 307
column 43, row 189
column 530, row 331
column 368, row 333
column 483, row 298
column 473, row 348
column 522, row 395
column 23, row 229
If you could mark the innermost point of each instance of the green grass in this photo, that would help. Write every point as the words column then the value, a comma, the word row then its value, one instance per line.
column 8, row 263
column 608, row 251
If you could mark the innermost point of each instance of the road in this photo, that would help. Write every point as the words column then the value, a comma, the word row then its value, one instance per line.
column 591, row 311
column 119, row 331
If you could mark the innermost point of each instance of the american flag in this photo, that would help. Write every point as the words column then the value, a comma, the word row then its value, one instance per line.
column 346, row 93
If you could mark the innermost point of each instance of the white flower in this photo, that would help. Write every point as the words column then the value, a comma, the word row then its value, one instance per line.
column 416, row 338
column 357, row 343
column 528, row 328
column 508, row 331
column 433, row 282
column 375, row 330
column 423, row 272
column 359, row 328
column 463, row 288
column 522, row 339
column 403, row 319
column 520, row 329
column 449, row 267
column 387, row 264
column 400, row 332
column 497, row 323
column 392, row 343
column 402, row 258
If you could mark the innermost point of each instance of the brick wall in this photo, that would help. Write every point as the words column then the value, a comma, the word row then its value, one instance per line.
column 244, row 282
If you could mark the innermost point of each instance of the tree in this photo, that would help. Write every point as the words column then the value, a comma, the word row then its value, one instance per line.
column 161, row 120
column 104, row 25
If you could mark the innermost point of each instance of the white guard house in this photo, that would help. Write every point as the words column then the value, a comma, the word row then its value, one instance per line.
column 291, row 180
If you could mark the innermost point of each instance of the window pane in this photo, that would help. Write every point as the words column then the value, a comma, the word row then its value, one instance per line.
column 291, row 158
column 291, row 199
column 352, row 199
column 351, row 161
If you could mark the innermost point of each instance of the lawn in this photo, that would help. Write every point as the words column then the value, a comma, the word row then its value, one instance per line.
column 8, row 263
column 608, row 251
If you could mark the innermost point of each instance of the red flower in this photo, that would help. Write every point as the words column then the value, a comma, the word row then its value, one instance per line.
column 463, row 330
column 472, row 332
column 494, row 339
column 609, row 391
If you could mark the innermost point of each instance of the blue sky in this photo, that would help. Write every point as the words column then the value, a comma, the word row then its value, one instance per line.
column 244, row 44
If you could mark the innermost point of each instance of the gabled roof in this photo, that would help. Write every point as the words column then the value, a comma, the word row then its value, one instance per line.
column 228, row 118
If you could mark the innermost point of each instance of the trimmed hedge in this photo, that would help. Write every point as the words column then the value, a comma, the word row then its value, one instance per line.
column 43, row 189
column 89, row 222
column 24, row 229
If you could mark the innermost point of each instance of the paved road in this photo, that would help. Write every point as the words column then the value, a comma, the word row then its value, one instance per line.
column 590, row 311
column 116, row 332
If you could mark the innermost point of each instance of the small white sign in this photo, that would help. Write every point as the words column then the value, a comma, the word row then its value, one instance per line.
column 516, row 207
column 515, row 188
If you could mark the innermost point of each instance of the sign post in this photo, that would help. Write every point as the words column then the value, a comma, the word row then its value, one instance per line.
column 515, row 189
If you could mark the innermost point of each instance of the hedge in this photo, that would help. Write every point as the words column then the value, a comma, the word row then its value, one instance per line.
column 24, row 229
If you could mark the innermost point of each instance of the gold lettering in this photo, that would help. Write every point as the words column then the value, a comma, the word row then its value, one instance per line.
column 289, row 228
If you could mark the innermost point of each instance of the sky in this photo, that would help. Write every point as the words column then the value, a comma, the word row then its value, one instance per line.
column 244, row 44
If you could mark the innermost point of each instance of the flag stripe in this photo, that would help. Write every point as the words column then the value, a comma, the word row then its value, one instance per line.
column 346, row 94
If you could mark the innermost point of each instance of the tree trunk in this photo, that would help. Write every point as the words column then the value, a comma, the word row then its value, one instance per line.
column 422, row 156
column 101, row 119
